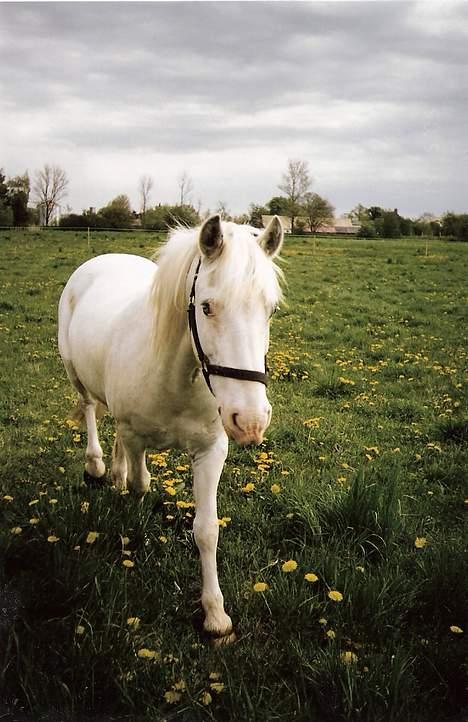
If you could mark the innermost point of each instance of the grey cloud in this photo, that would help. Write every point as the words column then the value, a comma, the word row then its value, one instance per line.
column 174, row 74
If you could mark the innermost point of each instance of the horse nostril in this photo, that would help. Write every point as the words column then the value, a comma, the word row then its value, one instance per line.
column 234, row 420
column 219, row 410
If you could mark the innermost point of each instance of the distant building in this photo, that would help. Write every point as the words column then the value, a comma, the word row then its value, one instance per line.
column 342, row 225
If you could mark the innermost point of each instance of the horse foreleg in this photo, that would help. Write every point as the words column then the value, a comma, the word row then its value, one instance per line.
column 94, row 465
column 207, row 468
column 134, row 449
column 119, row 464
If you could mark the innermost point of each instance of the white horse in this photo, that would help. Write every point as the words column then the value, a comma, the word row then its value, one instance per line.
column 126, row 343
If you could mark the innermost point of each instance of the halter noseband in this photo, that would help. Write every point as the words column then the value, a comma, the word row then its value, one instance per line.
column 212, row 369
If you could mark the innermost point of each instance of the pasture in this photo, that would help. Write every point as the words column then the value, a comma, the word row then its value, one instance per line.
column 342, row 553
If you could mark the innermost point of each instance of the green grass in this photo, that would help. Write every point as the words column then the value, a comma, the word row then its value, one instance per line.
column 368, row 445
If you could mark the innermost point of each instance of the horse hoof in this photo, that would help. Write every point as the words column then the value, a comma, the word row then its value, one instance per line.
column 225, row 639
column 95, row 482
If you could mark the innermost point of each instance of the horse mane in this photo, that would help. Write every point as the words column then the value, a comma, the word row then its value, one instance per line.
column 241, row 271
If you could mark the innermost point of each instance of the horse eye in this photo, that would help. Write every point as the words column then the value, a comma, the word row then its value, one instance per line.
column 206, row 308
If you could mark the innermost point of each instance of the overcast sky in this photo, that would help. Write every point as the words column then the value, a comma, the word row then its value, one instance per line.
column 373, row 95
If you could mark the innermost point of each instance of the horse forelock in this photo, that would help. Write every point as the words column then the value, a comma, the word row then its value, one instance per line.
column 242, row 273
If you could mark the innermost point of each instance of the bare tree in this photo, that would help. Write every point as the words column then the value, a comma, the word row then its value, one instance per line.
column 185, row 188
column 145, row 187
column 295, row 183
column 50, row 186
column 223, row 211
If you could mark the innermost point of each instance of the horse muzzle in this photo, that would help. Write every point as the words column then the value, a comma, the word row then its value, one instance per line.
column 246, row 428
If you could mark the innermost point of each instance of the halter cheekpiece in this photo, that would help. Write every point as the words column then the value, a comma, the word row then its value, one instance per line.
column 209, row 369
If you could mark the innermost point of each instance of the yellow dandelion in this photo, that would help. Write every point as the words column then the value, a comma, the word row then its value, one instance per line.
column 348, row 657
column 53, row 501
column 172, row 697
column 420, row 542
column 455, row 629
column 84, row 506
column 331, row 634
column 33, row 502
column 61, row 469
column 311, row 577
column 125, row 540
column 34, row 520
column 145, row 653
column 92, row 536
column 8, row 498
column 215, row 675
column 205, row 698
column 170, row 490
column 275, row 488
column 16, row 530
column 224, row 521
column 52, row 539
column 289, row 566
column 360, row 569
column 335, row 596
column 180, row 685
column 79, row 629
column 163, row 539
column 128, row 563
column 133, row 622
column 217, row 687
column 248, row 488
column 260, row 587
column 323, row 621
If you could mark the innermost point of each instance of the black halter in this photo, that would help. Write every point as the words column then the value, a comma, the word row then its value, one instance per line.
column 212, row 369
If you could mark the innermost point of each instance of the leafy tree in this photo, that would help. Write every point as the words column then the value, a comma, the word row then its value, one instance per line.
column 406, row 226
column 462, row 227
column 255, row 215
column 163, row 217
column 185, row 215
column 359, row 214
column 375, row 212
column 317, row 211
column 450, row 225
column 243, row 219
column 87, row 219
column 277, row 206
column 367, row 230
column 18, row 194
column 6, row 214
column 118, row 213
column 50, row 187
column 390, row 227
column 295, row 183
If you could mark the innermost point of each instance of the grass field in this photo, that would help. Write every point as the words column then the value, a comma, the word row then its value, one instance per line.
column 361, row 482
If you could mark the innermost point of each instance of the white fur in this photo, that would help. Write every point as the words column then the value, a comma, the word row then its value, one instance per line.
column 124, row 341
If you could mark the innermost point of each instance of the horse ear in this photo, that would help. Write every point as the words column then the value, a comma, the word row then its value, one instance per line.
column 211, row 237
column 271, row 239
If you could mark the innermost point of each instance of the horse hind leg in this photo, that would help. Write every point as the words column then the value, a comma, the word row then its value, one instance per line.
column 94, row 465
column 84, row 414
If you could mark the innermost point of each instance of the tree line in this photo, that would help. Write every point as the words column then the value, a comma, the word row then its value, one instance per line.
column 307, row 211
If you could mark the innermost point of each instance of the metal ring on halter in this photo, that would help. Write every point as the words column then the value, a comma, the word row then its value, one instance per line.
column 213, row 369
